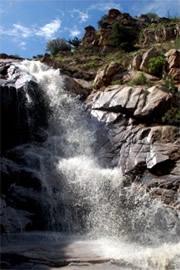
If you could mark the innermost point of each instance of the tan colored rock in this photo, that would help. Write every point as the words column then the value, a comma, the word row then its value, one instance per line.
column 163, row 134
column 106, row 73
column 146, row 57
column 89, row 37
column 140, row 102
column 136, row 62
column 155, row 98
column 173, row 58
column 77, row 86
column 175, row 74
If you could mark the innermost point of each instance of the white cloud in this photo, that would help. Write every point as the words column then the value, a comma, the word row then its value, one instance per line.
column 22, row 45
column 74, row 32
column 83, row 16
column 19, row 31
column 105, row 6
column 48, row 30
column 162, row 8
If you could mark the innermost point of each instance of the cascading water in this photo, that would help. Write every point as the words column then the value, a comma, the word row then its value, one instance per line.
column 86, row 199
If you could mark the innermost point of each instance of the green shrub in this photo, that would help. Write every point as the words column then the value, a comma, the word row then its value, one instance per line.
column 122, row 37
column 57, row 45
column 92, row 64
column 169, row 84
column 140, row 79
column 116, row 82
column 156, row 65
column 172, row 116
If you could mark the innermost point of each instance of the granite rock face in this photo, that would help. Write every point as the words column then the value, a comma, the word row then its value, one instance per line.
column 147, row 151
column 138, row 102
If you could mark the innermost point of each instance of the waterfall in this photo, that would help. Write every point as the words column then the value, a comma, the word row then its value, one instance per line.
column 85, row 198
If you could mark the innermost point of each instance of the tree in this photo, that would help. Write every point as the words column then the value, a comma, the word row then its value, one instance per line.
column 57, row 45
column 74, row 42
column 122, row 37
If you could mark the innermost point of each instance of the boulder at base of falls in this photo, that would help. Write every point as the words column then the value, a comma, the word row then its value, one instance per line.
column 145, row 149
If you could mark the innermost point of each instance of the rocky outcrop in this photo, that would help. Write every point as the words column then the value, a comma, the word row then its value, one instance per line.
column 165, row 31
column 153, row 30
column 105, row 74
column 173, row 59
column 89, row 37
column 147, row 151
column 100, row 39
column 137, row 102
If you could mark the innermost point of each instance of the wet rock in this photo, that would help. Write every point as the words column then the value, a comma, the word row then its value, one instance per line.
column 13, row 220
column 21, row 96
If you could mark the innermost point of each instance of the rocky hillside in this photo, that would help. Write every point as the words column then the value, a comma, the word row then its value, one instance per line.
column 148, row 29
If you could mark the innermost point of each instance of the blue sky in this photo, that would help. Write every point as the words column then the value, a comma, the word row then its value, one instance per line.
column 27, row 25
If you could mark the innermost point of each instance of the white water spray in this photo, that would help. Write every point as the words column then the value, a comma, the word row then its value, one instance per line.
column 89, row 198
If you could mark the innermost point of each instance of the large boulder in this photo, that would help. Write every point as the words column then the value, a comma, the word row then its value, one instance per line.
column 105, row 74
column 78, row 87
column 146, row 57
